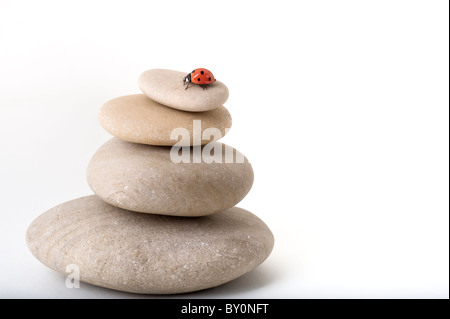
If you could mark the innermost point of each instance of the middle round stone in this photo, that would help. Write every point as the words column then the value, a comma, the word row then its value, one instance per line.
column 185, row 181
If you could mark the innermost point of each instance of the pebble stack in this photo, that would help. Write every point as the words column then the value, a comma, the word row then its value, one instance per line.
column 157, row 225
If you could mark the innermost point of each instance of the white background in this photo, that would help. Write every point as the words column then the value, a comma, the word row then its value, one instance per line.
column 341, row 106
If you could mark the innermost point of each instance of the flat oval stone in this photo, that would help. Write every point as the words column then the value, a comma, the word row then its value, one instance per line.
column 167, row 88
column 144, row 178
column 138, row 119
column 149, row 254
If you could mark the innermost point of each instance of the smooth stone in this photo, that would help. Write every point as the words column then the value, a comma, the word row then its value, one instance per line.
column 137, row 118
column 149, row 254
column 167, row 88
column 143, row 178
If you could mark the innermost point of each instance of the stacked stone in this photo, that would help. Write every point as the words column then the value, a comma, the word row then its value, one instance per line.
column 162, row 219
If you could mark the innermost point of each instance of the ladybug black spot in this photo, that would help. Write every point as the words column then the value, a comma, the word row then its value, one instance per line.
column 198, row 79
column 193, row 72
column 209, row 79
column 202, row 72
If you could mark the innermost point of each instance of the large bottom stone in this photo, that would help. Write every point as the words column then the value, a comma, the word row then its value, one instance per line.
column 144, row 253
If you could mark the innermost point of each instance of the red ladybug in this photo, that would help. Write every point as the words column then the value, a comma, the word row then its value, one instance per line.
column 200, row 76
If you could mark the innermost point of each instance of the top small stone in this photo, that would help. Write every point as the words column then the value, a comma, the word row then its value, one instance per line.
column 166, row 87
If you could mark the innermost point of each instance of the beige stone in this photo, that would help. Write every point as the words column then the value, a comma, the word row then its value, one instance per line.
column 138, row 119
column 144, row 178
column 150, row 254
column 167, row 88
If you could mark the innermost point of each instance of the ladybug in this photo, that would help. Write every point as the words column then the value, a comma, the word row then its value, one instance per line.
column 200, row 76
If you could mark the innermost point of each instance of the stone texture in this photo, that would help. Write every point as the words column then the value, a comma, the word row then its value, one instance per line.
column 138, row 119
column 143, row 178
column 149, row 254
column 167, row 88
